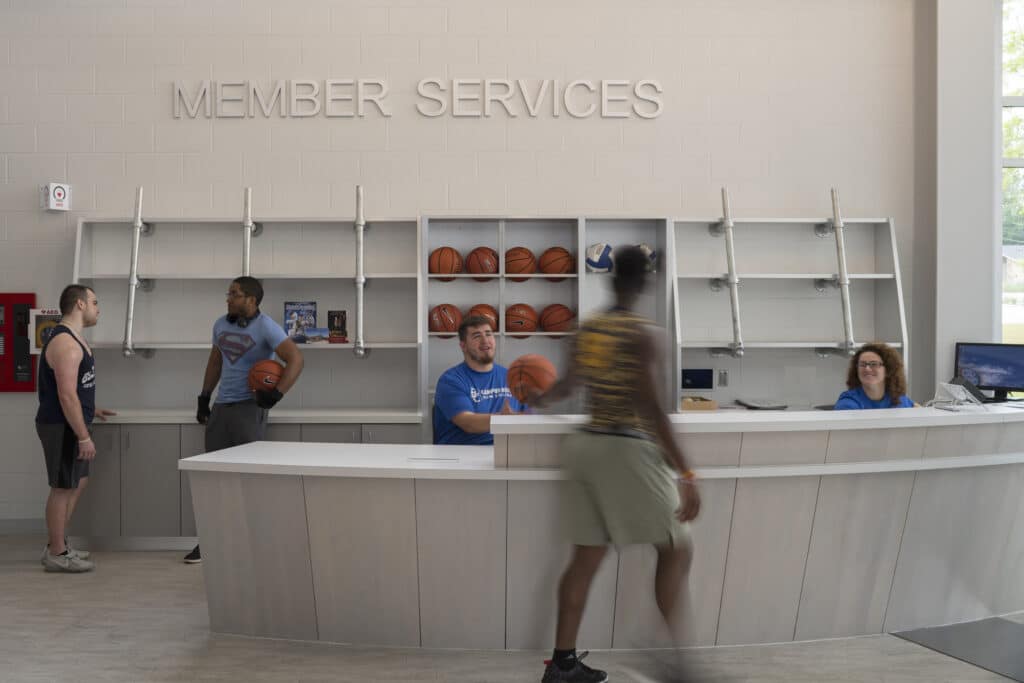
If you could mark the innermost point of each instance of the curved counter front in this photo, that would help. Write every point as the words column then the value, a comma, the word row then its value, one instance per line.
column 813, row 525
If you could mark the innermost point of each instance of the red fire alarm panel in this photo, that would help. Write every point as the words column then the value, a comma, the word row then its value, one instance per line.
column 17, row 366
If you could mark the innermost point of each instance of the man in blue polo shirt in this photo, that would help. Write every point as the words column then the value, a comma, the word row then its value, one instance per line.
column 471, row 392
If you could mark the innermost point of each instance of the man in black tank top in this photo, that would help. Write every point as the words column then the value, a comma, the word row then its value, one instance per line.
column 67, row 406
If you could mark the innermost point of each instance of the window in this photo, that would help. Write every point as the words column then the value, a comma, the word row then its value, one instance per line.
column 1013, row 172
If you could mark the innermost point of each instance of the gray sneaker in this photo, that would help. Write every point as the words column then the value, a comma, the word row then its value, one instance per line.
column 66, row 563
column 80, row 554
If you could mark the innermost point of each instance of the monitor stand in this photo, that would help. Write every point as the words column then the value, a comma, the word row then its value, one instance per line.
column 999, row 396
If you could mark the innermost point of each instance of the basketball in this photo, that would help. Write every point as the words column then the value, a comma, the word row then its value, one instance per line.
column 520, row 260
column 445, row 318
column 531, row 371
column 265, row 374
column 444, row 261
column 486, row 311
column 482, row 260
column 555, row 261
column 520, row 318
column 599, row 258
column 556, row 318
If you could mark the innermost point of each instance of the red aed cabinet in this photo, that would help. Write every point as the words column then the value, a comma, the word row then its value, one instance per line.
column 17, row 365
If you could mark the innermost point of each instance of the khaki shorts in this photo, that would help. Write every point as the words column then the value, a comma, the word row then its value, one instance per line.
column 620, row 491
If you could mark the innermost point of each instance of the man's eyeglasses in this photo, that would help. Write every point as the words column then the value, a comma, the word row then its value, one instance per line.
column 870, row 364
column 235, row 295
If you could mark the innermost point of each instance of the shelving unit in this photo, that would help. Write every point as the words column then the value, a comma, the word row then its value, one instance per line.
column 787, row 270
column 185, row 266
column 584, row 292
column 792, row 315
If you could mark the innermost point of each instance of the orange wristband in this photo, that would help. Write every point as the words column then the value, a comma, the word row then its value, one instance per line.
column 689, row 475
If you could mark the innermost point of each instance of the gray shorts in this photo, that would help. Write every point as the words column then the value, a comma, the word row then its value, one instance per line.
column 620, row 491
column 60, row 449
column 235, row 424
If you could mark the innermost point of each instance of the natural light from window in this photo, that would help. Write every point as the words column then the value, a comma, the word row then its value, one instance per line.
column 1013, row 172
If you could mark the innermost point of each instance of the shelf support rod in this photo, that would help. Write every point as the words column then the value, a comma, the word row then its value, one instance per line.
column 732, row 280
column 139, row 228
column 843, row 278
column 247, row 232
column 359, row 346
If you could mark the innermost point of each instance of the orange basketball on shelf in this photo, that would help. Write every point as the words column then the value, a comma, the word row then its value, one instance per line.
column 555, row 261
column 556, row 318
column 265, row 374
column 531, row 371
column 444, row 261
column 486, row 311
column 520, row 260
column 482, row 260
column 445, row 318
column 520, row 318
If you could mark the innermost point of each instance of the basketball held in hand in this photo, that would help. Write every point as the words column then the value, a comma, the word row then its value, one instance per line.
column 444, row 261
column 445, row 318
column 520, row 318
column 530, row 374
column 520, row 261
column 265, row 374
column 555, row 261
column 482, row 260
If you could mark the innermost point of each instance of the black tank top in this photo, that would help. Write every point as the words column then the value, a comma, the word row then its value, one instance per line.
column 50, row 411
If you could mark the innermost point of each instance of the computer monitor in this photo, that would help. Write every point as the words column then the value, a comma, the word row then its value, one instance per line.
column 995, row 367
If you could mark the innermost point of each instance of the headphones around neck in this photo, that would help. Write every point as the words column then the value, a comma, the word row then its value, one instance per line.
column 241, row 320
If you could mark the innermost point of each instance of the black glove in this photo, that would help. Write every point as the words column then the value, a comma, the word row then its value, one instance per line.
column 203, row 413
column 268, row 399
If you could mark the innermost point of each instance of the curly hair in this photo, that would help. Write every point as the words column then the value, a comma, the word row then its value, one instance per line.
column 895, row 378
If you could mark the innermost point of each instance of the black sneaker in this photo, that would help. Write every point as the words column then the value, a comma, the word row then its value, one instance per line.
column 194, row 557
column 580, row 673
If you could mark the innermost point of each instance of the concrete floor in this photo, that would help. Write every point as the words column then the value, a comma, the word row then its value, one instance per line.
column 142, row 617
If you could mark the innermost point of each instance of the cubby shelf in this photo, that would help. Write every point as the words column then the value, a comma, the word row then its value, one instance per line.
column 512, row 277
column 512, row 335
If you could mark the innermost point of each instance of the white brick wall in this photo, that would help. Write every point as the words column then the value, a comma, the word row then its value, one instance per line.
column 778, row 100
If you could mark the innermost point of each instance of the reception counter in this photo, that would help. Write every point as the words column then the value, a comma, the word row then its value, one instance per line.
column 813, row 525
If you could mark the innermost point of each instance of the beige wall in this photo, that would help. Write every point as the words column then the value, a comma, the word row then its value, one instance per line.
column 778, row 100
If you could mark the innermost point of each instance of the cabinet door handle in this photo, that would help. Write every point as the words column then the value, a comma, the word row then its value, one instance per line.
column 127, row 439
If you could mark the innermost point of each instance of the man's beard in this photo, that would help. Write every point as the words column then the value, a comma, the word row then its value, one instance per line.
column 482, row 357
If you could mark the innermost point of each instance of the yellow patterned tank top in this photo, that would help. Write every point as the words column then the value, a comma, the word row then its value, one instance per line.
column 609, row 366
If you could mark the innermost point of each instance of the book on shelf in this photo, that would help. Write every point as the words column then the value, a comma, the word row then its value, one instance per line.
column 317, row 335
column 299, row 316
column 337, row 326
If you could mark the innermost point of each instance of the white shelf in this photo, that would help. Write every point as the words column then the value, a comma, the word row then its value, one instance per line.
column 507, row 276
column 538, row 334
column 772, row 345
column 261, row 276
column 276, row 416
column 179, row 346
column 786, row 276
column 508, row 334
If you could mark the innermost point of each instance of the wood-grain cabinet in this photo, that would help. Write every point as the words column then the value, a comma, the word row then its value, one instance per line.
column 136, row 491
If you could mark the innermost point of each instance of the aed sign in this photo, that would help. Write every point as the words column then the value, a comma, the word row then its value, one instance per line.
column 55, row 197
column 435, row 98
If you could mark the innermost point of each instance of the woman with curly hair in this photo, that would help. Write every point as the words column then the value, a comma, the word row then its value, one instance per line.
column 875, row 380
